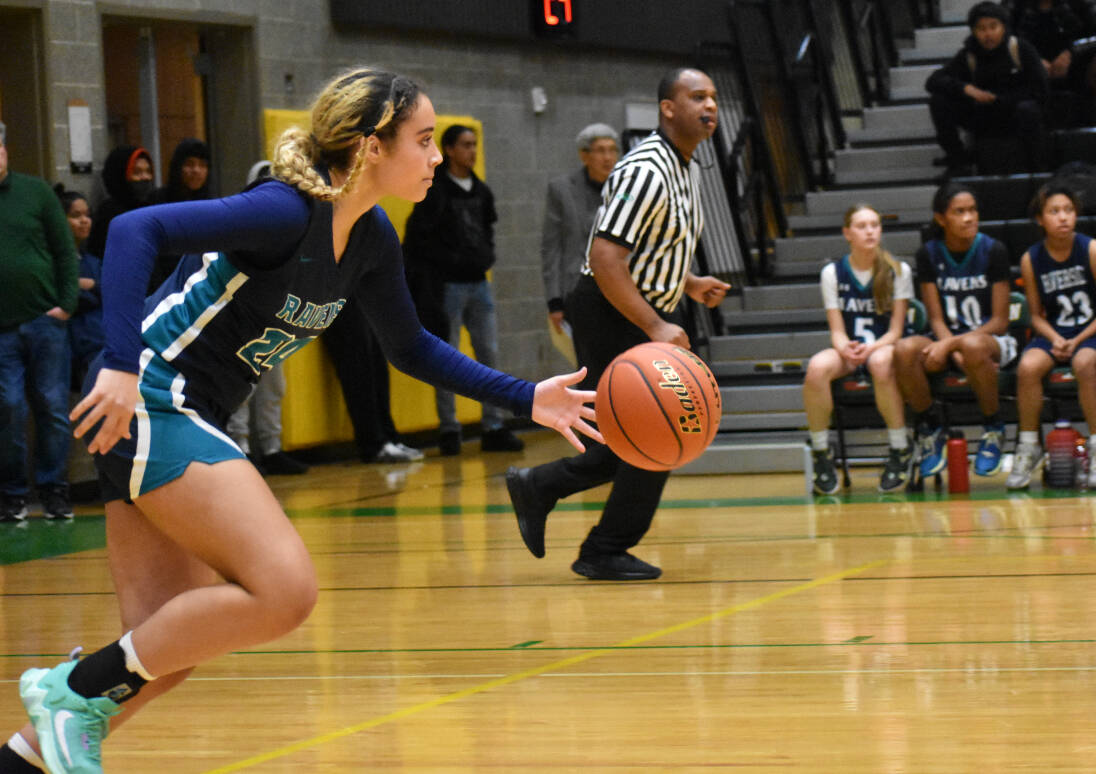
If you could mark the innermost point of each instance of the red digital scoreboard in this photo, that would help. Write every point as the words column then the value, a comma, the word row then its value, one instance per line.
column 553, row 18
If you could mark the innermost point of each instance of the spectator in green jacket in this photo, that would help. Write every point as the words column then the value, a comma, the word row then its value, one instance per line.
column 38, row 291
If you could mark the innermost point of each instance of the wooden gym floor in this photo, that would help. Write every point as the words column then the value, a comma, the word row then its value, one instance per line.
column 866, row 633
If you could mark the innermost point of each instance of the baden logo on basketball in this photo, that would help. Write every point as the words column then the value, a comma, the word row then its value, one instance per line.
column 672, row 382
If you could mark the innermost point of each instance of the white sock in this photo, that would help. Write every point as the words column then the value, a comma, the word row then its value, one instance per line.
column 133, row 664
column 1090, row 447
column 898, row 439
column 20, row 747
column 820, row 440
column 1030, row 437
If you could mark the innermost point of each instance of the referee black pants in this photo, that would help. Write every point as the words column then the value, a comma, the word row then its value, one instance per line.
column 601, row 333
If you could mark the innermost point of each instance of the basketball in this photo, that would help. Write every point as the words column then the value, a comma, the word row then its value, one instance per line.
column 658, row 406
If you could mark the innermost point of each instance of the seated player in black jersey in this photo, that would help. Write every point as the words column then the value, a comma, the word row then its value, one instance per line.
column 1058, row 281
column 964, row 277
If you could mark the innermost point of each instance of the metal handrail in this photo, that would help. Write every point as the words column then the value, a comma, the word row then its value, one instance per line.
column 874, row 23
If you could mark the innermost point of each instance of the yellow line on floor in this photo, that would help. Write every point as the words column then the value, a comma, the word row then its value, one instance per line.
column 552, row 667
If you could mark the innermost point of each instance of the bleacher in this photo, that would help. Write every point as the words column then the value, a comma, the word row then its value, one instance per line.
column 775, row 323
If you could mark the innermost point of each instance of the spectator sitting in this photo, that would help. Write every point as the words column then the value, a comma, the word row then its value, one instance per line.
column 127, row 178
column 86, row 324
column 187, row 180
column 996, row 85
column 1053, row 27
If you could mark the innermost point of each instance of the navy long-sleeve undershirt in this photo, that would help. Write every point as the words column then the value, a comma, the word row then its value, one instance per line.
column 261, row 228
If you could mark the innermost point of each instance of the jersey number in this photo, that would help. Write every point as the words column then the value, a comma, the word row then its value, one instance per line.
column 271, row 348
column 862, row 330
column 970, row 309
column 1074, row 310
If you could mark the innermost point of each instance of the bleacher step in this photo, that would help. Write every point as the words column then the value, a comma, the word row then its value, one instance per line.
column 830, row 246
column 950, row 38
column 778, row 297
column 910, row 76
column 794, row 345
column 954, row 11
column 776, row 318
column 888, row 201
column 731, row 457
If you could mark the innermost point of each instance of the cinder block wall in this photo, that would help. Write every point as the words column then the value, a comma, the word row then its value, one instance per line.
column 485, row 78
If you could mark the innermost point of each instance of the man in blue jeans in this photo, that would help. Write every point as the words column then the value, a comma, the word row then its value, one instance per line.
column 38, row 292
column 449, row 246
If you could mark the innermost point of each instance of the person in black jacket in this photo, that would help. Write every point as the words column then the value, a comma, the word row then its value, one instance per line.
column 996, row 85
column 187, row 181
column 449, row 245
column 1058, row 29
column 127, row 178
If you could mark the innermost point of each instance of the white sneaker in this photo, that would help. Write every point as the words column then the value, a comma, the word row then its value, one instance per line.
column 412, row 453
column 1091, row 473
column 1027, row 462
column 397, row 452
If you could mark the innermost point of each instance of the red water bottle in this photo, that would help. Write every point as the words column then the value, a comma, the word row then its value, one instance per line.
column 1061, row 443
column 1080, row 463
column 958, row 464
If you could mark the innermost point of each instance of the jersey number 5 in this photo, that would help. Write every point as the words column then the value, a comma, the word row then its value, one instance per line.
column 862, row 330
column 271, row 348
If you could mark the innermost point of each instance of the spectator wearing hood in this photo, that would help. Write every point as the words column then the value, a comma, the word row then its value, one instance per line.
column 187, row 181
column 127, row 178
column 996, row 85
column 187, row 175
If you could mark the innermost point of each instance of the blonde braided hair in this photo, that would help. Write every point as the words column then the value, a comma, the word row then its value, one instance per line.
column 355, row 104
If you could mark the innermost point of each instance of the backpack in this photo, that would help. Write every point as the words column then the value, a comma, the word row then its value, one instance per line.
column 1013, row 51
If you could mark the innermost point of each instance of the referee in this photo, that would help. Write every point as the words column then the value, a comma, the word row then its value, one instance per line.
column 637, row 269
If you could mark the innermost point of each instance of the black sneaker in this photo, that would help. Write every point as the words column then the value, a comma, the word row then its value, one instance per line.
column 501, row 440
column 531, row 508
column 896, row 469
column 825, row 474
column 13, row 507
column 55, row 501
column 449, row 444
column 281, row 464
column 618, row 567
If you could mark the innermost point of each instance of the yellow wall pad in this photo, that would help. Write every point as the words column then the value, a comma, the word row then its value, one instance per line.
column 313, row 410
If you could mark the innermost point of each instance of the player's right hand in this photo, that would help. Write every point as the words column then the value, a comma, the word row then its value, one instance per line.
column 669, row 333
column 113, row 400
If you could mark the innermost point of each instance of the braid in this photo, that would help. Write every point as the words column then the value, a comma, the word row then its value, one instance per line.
column 293, row 163
column 342, row 115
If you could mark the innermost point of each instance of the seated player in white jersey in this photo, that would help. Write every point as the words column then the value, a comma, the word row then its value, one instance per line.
column 866, row 295
column 1058, row 277
column 964, row 278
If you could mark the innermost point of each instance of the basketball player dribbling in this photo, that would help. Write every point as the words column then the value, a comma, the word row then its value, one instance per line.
column 203, row 558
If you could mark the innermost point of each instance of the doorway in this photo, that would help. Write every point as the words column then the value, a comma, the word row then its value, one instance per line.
column 22, row 100
column 166, row 81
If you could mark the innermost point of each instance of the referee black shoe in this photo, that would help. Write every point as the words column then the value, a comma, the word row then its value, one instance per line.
column 531, row 508
column 615, row 567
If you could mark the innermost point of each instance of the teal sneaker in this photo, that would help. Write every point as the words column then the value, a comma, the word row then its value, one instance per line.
column 987, row 462
column 70, row 727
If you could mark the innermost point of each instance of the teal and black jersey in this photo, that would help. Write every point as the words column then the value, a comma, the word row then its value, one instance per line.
column 1067, row 289
column 259, row 280
column 857, row 305
column 965, row 282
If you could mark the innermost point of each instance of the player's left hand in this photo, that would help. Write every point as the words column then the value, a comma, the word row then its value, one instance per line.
column 709, row 291
column 557, row 406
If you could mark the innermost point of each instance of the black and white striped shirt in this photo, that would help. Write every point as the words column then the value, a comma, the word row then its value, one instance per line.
column 651, row 205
